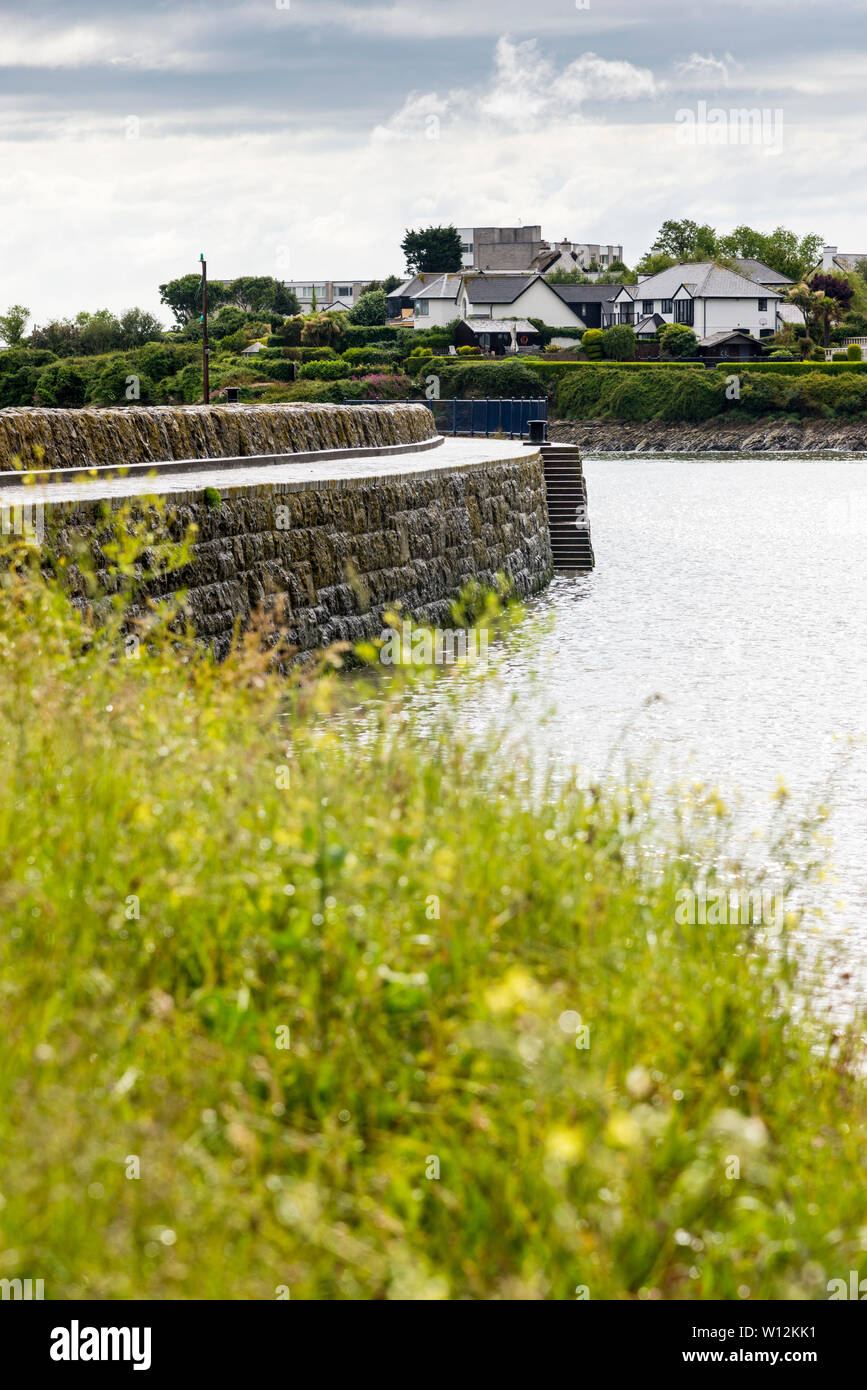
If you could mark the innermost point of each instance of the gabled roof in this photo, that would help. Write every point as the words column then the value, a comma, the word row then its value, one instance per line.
column 409, row 288
column 761, row 273
column 649, row 324
column 725, row 335
column 586, row 294
column 497, row 288
column 703, row 280
column 442, row 287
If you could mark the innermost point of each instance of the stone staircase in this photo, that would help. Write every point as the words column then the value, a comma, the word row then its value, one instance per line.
column 568, row 519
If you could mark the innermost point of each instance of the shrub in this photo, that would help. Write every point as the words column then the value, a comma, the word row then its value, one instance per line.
column 678, row 340
column 211, row 497
column 618, row 343
column 591, row 341
column 322, row 371
column 18, row 384
column 114, row 383
column 371, row 309
column 508, row 378
column 782, row 355
column 369, row 356
column 838, row 357
column 854, row 353
column 469, row 351
column 61, row 383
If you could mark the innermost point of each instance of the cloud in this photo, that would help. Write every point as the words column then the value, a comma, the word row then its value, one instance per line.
column 525, row 92
column 707, row 72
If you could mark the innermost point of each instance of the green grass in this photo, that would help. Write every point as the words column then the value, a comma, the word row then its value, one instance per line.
column 197, row 858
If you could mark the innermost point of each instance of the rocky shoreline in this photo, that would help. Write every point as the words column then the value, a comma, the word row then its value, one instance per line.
column 732, row 436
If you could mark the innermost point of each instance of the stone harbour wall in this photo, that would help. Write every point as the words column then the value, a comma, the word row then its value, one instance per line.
column 330, row 556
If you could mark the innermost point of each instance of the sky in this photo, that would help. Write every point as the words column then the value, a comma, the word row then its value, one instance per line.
column 301, row 138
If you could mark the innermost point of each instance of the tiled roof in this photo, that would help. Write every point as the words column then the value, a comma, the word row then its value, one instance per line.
column 586, row 294
column 704, row 279
column 758, row 271
column 497, row 289
column 444, row 287
column 483, row 325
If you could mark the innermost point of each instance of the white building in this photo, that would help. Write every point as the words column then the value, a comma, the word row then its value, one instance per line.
column 706, row 297
column 500, row 296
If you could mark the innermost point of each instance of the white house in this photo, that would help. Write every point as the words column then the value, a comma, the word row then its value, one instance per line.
column 706, row 297
column 501, row 295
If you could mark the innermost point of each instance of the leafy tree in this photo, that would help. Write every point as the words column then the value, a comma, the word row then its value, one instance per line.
column 184, row 297
column 781, row 249
column 831, row 296
column 60, row 336
column 371, row 309
column 434, row 249
column 653, row 262
column 137, row 326
column 13, row 324
column 98, row 332
column 229, row 320
column 686, row 240
column 677, row 340
column 260, row 293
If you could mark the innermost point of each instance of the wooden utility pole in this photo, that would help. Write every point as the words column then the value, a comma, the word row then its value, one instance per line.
column 206, row 384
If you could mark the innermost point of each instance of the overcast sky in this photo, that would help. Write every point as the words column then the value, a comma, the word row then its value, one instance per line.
column 299, row 138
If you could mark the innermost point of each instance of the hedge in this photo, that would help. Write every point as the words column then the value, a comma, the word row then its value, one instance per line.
column 509, row 378
column 623, row 394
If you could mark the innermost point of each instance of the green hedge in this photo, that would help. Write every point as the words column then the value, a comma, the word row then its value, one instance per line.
column 598, row 392
column 801, row 368
column 509, row 378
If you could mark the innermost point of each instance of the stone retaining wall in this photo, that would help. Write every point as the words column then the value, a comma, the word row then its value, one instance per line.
column 333, row 556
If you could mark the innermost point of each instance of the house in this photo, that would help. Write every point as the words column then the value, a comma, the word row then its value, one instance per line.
column 347, row 291
column 498, row 335
column 501, row 296
column 594, row 304
column 401, row 301
column 705, row 296
column 738, row 345
column 834, row 260
column 645, row 329
column 762, row 274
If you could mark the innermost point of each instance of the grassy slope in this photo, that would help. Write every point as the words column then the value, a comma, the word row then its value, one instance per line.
column 313, row 907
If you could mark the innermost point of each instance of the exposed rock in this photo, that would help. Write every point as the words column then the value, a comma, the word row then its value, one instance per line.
column 731, row 436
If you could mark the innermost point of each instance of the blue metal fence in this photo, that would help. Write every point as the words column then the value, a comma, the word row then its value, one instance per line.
column 486, row 417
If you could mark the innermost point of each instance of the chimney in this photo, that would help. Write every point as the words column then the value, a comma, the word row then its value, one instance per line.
column 828, row 254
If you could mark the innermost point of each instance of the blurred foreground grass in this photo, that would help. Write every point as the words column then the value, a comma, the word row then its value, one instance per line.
column 322, row 991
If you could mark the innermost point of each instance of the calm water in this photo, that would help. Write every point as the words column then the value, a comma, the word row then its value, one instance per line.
column 735, row 590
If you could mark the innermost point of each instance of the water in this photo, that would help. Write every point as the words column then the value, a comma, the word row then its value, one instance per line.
column 735, row 590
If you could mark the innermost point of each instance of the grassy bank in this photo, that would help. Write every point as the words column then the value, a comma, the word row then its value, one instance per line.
column 289, row 1007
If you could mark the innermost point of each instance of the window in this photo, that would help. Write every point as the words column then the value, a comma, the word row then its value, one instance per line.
column 683, row 311
column 766, row 332
column 421, row 307
column 666, row 306
column 627, row 313
column 343, row 291
column 647, row 307
column 763, row 306
column 466, row 247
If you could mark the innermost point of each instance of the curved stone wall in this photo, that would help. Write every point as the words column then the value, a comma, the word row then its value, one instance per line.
column 329, row 556
column 54, row 439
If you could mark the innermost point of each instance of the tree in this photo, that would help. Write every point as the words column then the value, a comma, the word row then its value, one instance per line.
column 98, row 332
column 686, row 240
column 434, row 249
column 60, row 336
column 13, row 324
column 677, row 340
column 137, row 326
column 371, row 309
column 652, row 262
column 780, row 249
column 830, row 296
column 184, row 297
